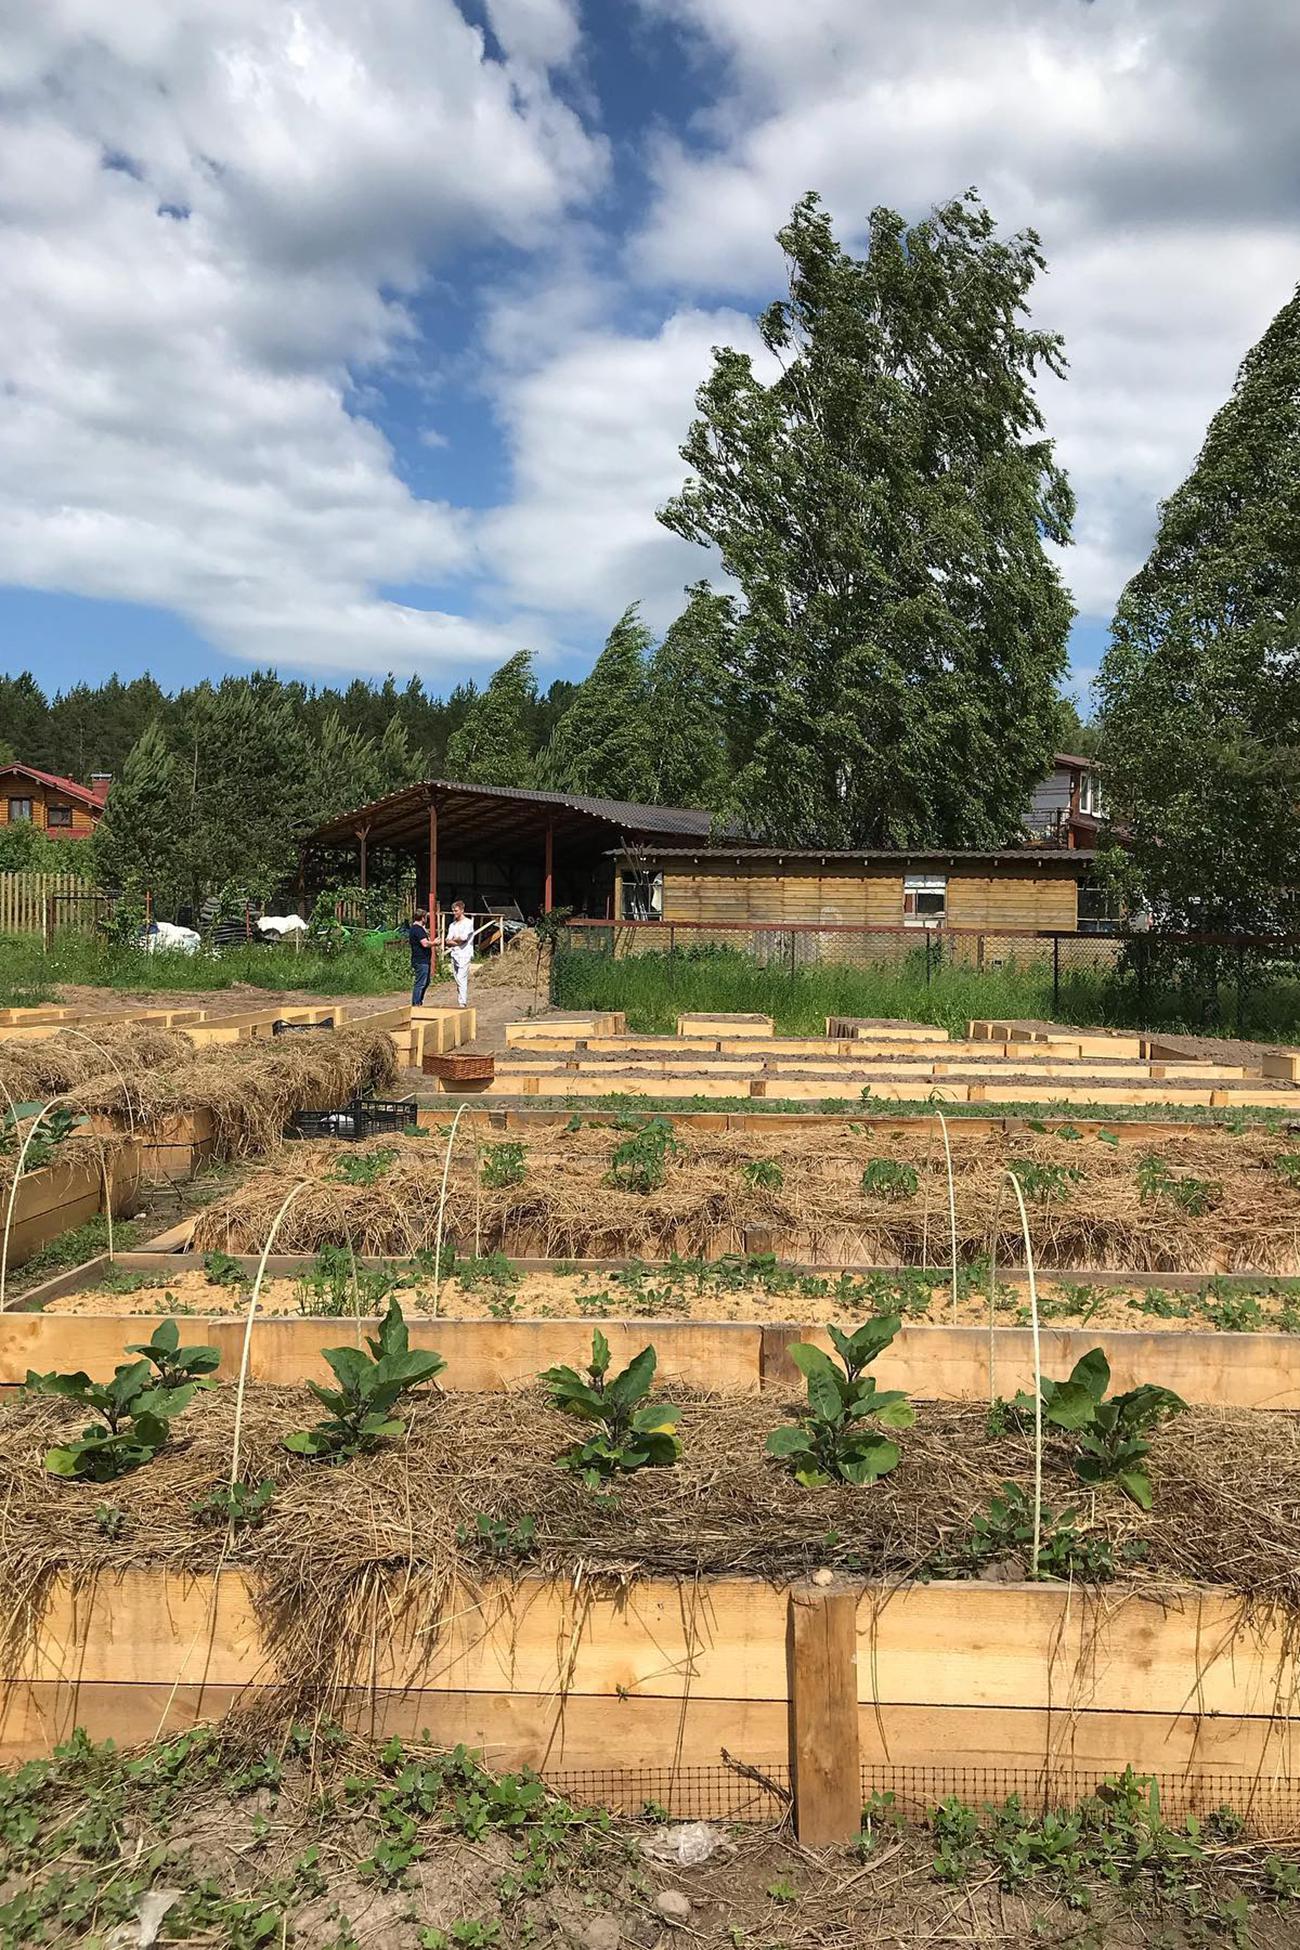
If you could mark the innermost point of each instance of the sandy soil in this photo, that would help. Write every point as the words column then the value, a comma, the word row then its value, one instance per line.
column 654, row 1295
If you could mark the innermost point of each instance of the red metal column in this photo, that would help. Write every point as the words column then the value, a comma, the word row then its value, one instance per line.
column 361, row 836
column 548, row 886
column 433, row 869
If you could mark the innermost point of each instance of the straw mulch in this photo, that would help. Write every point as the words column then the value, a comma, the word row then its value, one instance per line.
column 336, row 1540
column 567, row 1205
column 252, row 1089
column 34, row 1071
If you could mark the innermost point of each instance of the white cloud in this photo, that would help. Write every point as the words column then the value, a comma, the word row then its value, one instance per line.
column 176, row 418
column 595, row 429
column 1151, row 142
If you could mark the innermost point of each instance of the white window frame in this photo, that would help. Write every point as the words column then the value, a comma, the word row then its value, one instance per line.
column 1090, row 799
column 924, row 886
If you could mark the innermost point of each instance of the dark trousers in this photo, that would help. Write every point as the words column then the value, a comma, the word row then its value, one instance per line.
column 421, row 982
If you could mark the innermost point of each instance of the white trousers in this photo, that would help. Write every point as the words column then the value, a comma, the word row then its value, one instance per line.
column 460, row 966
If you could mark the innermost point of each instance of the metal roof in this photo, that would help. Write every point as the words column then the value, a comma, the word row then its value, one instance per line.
column 470, row 813
column 1018, row 856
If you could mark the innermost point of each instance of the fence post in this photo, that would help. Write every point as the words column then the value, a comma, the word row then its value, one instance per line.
column 927, row 958
column 1056, row 973
column 822, row 1669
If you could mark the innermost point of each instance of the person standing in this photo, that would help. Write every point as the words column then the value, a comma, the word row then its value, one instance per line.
column 460, row 944
column 421, row 955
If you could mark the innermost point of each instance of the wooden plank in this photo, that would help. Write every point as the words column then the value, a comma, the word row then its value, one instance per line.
column 711, row 1024
column 823, row 1688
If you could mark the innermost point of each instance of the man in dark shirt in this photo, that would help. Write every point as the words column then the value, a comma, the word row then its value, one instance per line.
column 421, row 955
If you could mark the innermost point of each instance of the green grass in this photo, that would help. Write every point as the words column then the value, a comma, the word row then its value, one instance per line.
column 654, row 989
column 29, row 975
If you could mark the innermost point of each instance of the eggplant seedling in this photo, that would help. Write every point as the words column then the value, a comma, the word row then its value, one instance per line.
column 834, row 1442
column 360, row 1408
column 176, row 1365
column 629, row 1431
column 135, row 1410
column 1112, row 1434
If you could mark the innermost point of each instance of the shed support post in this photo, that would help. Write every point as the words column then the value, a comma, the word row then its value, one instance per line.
column 433, row 870
column 1056, row 974
column 361, row 841
column 822, row 1666
column 548, row 884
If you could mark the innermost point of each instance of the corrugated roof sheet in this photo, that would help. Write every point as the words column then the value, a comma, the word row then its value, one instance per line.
column 1017, row 855
column 682, row 821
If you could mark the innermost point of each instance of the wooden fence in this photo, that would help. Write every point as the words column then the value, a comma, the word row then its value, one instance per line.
column 38, row 903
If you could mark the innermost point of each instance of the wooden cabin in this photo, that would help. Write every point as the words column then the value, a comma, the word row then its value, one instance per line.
column 1025, row 890
column 57, row 807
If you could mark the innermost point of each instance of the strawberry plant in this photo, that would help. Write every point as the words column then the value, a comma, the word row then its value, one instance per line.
column 370, row 1385
column 503, row 1165
column 888, row 1178
column 630, row 1432
column 135, row 1411
column 640, row 1162
column 834, row 1442
column 1112, row 1444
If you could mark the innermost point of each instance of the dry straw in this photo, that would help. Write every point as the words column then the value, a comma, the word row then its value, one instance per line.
column 566, row 1205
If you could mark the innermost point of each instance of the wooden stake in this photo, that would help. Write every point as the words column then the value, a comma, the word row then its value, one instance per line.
column 822, row 1662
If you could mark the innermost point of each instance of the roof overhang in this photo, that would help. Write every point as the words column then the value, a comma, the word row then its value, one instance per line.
column 472, row 816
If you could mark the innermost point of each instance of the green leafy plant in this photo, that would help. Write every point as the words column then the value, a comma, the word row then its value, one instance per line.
column 175, row 1365
column 109, row 1520
column 223, row 1269
column 1194, row 1196
column 631, row 1432
column 1287, row 1165
column 503, row 1165
column 135, row 1412
column 640, row 1162
column 54, row 1128
column 889, row 1178
column 335, row 1284
column 364, row 1167
column 503, row 1538
column 834, row 1442
column 763, row 1174
column 236, row 1505
column 1043, row 1182
column 369, row 1386
column 1005, row 1529
column 1112, row 1444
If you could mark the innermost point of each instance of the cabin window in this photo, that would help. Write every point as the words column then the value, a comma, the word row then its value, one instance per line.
column 925, row 899
column 19, row 811
column 1101, row 911
column 1090, row 794
column 58, row 815
column 643, row 897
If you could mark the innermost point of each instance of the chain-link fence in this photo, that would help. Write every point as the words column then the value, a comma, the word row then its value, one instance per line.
column 1244, row 985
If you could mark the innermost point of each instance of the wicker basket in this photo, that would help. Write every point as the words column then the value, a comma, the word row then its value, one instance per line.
column 460, row 1067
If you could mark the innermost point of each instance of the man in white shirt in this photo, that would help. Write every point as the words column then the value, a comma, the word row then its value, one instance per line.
column 460, row 946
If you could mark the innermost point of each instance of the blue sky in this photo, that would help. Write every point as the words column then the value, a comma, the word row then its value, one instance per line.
column 355, row 339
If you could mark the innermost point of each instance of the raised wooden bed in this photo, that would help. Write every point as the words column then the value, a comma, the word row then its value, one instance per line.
column 930, row 1362
column 171, row 1148
column 68, row 1192
column 926, row 1689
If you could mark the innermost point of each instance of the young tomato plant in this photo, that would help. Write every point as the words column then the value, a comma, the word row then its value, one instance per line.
column 833, row 1442
column 360, row 1408
column 135, row 1411
column 503, row 1165
column 630, row 1432
column 888, row 1178
column 1194, row 1196
column 763, row 1174
column 1112, row 1434
column 640, row 1162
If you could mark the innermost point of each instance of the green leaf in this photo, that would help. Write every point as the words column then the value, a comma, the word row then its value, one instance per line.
column 826, row 1394
column 1071, row 1405
column 62, row 1462
column 788, row 1441
column 867, row 1458
column 654, row 1417
column 1136, row 1484
column 599, row 1353
column 894, row 1411
column 1092, row 1371
column 811, row 1360
column 307, row 1442
column 636, row 1380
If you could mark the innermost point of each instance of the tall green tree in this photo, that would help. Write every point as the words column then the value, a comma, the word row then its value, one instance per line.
column 883, row 503
column 343, row 770
column 397, row 765
column 689, row 679
column 250, row 786
column 1200, row 687
column 602, row 746
column 140, row 844
column 492, row 744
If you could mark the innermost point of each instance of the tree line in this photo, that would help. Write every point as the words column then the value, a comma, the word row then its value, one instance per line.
column 884, row 666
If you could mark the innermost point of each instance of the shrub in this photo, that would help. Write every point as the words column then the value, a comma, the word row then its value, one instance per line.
column 627, row 1436
column 369, row 1386
column 832, row 1443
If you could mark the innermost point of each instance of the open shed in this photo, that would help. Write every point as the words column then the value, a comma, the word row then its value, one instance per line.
column 492, row 845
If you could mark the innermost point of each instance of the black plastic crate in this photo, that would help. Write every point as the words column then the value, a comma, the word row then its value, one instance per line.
column 299, row 1028
column 363, row 1117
